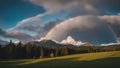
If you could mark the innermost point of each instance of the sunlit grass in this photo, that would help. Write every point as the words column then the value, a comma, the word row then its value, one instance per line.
column 79, row 60
column 79, row 57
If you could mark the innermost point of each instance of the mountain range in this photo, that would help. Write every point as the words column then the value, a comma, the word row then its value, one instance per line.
column 69, row 41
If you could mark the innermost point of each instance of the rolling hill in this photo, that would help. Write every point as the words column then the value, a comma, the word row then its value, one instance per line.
column 88, row 60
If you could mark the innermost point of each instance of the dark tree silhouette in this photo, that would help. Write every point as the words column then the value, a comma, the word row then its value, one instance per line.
column 41, row 52
column 64, row 51
column 28, row 50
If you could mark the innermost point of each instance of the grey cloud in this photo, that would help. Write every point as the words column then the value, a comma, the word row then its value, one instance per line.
column 51, row 24
column 2, row 32
column 30, row 27
column 79, row 7
column 18, row 35
column 46, row 28
column 83, row 6
column 15, row 35
column 114, row 22
column 3, row 42
column 110, row 4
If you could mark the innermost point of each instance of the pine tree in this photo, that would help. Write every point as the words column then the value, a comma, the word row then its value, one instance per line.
column 0, row 52
column 28, row 50
column 9, row 50
column 64, row 51
column 57, row 52
column 41, row 52
column 36, row 52
column 19, row 50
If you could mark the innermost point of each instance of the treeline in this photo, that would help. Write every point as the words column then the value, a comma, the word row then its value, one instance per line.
column 28, row 51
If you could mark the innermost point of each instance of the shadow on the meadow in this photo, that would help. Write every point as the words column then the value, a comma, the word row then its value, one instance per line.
column 113, row 62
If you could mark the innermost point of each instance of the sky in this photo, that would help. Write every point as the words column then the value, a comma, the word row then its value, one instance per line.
column 94, row 21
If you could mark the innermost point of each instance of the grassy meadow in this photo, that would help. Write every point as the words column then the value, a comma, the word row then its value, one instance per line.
column 88, row 60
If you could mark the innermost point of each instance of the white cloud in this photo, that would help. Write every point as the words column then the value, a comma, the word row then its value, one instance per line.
column 32, row 21
column 110, row 44
column 30, row 26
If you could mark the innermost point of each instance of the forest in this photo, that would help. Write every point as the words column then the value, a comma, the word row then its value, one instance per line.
column 29, row 51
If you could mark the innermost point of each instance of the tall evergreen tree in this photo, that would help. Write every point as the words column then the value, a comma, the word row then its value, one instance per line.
column 19, row 52
column 9, row 50
column 41, row 52
column 36, row 52
column 64, row 51
column 0, row 52
column 28, row 49
column 57, row 52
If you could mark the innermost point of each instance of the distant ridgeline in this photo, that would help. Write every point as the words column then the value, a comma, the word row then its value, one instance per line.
column 48, row 49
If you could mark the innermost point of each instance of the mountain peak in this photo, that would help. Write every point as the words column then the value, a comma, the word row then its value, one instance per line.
column 70, row 40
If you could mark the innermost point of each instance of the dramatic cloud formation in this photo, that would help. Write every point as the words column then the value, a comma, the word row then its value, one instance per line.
column 54, row 6
column 88, row 19
column 95, row 26
column 84, row 28
column 35, row 24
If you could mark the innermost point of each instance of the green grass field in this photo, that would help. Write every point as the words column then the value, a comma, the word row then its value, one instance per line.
column 89, row 60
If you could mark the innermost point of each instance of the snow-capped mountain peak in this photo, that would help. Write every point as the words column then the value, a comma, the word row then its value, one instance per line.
column 70, row 40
